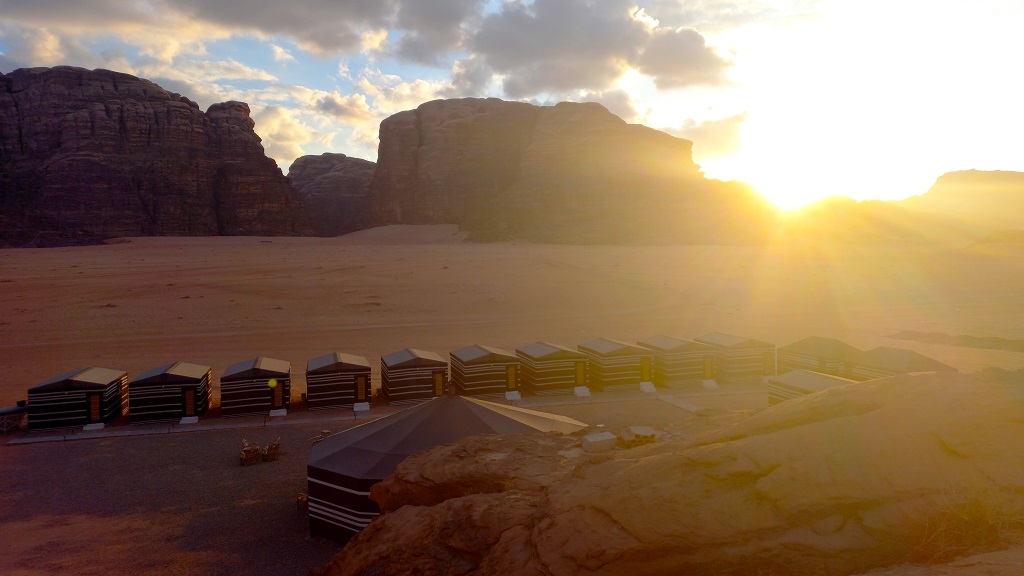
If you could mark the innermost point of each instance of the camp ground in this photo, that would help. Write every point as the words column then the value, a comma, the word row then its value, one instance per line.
column 548, row 369
column 171, row 392
column 337, row 380
column 484, row 370
column 343, row 467
column 257, row 386
column 411, row 376
column 88, row 396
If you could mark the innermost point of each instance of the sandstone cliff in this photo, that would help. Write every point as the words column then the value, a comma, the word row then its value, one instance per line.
column 984, row 200
column 910, row 469
column 100, row 153
column 570, row 172
column 333, row 188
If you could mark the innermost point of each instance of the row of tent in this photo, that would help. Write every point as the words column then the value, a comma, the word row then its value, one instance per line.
column 261, row 386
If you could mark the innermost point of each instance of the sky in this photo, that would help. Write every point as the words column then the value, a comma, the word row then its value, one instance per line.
column 800, row 98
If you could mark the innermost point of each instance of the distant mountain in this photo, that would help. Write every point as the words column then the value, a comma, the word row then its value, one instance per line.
column 91, row 154
column 565, row 173
column 984, row 200
column 334, row 189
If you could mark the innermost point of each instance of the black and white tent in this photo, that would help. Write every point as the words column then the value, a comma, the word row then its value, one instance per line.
column 817, row 354
column 678, row 361
column 409, row 376
column 887, row 361
column 616, row 365
column 87, row 396
column 739, row 359
column 796, row 383
column 551, row 369
column 480, row 370
column 256, row 386
column 170, row 392
column 343, row 467
column 337, row 380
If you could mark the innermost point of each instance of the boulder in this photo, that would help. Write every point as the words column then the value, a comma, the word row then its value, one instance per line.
column 333, row 188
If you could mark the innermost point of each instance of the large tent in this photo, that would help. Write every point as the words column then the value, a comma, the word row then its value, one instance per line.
column 740, row 359
column 887, row 361
column 478, row 370
column 824, row 355
column 551, row 369
column 170, row 392
column 87, row 396
column 337, row 380
column 409, row 376
column 616, row 365
column 255, row 386
column 343, row 467
column 796, row 383
column 678, row 361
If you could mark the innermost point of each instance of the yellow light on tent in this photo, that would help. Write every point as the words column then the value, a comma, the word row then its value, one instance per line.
column 272, row 382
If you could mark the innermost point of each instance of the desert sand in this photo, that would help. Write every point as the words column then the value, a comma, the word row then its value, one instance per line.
column 180, row 502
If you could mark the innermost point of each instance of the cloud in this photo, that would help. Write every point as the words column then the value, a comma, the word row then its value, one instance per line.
column 715, row 16
column 283, row 133
column 470, row 77
column 712, row 138
column 618, row 102
column 351, row 108
column 432, row 29
column 561, row 45
column 280, row 54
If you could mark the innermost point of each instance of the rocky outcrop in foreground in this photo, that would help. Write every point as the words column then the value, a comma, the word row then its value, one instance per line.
column 333, row 188
column 911, row 469
column 93, row 154
column 568, row 173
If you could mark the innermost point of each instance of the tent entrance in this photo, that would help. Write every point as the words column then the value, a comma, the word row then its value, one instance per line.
column 709, row 367
column 510, row 373
column 645, row 369
column 278, row 395
column 581, row 373
column 188, row 402
column 361, row 388
column 438, row 383
column 95, row 414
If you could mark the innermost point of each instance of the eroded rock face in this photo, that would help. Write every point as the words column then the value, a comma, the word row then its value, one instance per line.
column 334, row 189
column 104, row 154
column 909, row 469
column 570, row 172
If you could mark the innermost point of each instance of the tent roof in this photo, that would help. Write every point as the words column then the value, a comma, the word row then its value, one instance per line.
column 901, row 360
column 258, row 366
column 175, row 370
column 543, row 350
column 823, row 347
column 608, row 347
column 336, row 361
column 481, row 353
column 374, row 450
column 412, row 357
column 83, row 379
column 809, row 381
column 670, row 343
column 722, row 340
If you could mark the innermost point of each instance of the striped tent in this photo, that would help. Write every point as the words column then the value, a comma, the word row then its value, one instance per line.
column 169, row 392
column 817, row 354
column 886, row 361
column 255, row 386
column 343, row 467
column 409, row 376
column 337, row 380
column 551, row 369
column 678, row 361
column 87, row 396
column 739, row 359
column 796, row 383
column 480, row 370
column 615, row 365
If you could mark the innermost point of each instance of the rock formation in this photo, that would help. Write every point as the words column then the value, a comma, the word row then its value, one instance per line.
column 334, row 189
column 909, row 469
column 985, row 200
column 100, row 153
column 569, row 172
